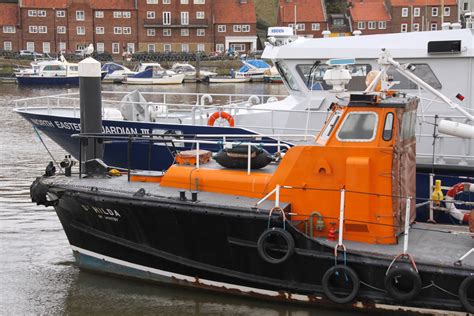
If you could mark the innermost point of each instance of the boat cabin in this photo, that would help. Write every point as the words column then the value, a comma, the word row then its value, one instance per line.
column 365, row 150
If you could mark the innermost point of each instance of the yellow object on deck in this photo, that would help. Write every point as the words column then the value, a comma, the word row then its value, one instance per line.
column 437, row 195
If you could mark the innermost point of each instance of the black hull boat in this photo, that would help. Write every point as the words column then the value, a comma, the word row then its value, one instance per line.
column 214, row 244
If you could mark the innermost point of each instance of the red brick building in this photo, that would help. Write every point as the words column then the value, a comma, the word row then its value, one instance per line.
column 175, row 25
column 421, row 15
column 370, row 16
column 9, row 27
column 235, row 25
column 307, row 17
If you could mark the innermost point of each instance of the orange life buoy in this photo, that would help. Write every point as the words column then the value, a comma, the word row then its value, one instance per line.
column 224, row 115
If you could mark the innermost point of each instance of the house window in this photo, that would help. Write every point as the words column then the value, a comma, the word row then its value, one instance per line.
column 117, row 14
column 199, row 1
column 131, row 48
column 150, row 15
column 46, row 47
column 99, row 30
column 166, row 32
column 434, row 26
column 117, row 30
column 30, row 46
column 465, row 6
column 416, row 27
column 80, row 15
column 184, row 1
column 220, row 48
column 42, row 29
column 151, row 1
column 60, row 14
column 115, row 48
column 221, row 28
column 434, row 11
column 100, row 47
column 184, row 32
column 81, row 30
column 9, row 29
column 371, row 25
column 127, row 30
column 150, row 32
column 299, row 27
column 361, row 25
column 61, row 30
column 416, row 11
column 32, row 13
column 382, row 25
column 237, row 28
column 403, row 27
column 7, row 46
column 201, row 47
column 166, row 18
column 315, row 26
column 32, row 29
column 167, row 48
column 166, row 1
column 99, row 14
column 184, row 18
column 447, row 11
column 185, row 48
column 42, row 13
column 404, row 12
column 62, row 47
column 238, row 47
column 151, row 48
column 201, row 32
column 200, row 15
column 127, row 14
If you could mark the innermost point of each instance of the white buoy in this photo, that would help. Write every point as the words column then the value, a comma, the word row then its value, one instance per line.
column 456, row 129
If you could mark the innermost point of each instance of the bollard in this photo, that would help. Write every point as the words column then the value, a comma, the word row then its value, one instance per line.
column 91, row 107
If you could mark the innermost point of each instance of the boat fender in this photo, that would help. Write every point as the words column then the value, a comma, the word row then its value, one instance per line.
column 341, row 271
column 392, row 280
column 206, row 97
column 464, row 288
column 287, row 250
column 226, row 116
column 39, row 194
column 237, row 157
column 253, row 99
column 272, row 99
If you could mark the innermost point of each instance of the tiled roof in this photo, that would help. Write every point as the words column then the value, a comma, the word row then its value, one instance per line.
column 369, row 10
column 9, row 14
column 44, row 4
column 113, row 4
column 421, row 3
column 233, row 11
column 306, row 11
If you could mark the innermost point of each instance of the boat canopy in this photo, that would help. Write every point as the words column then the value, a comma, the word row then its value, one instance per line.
column 111, row 67
column 252, row 64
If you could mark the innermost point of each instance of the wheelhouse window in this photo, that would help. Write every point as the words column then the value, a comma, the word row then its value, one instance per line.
column 313, row 76
column 286, row 75
column 422, row 71
column 358, row 127
column 388, row 127
column 331, row 125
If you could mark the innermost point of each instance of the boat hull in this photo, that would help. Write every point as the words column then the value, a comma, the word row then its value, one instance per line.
column 175, row 79
column 215, row 248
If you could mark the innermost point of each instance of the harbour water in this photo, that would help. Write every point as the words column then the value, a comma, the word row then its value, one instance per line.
column 37, row 272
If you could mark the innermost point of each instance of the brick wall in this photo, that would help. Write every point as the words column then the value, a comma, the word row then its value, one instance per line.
column 425, row 20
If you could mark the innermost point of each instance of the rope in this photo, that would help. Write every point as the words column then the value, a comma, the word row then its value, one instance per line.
column 46, row 147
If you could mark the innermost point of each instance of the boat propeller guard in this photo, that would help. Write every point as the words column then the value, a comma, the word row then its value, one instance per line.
column 343, row 275
column 221, row 115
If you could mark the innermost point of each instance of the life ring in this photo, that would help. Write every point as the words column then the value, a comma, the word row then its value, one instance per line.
column 220, row 114
column 460, row 215
column 289, row 247
column 463, row 292
column 392, row 280
column 349, row 275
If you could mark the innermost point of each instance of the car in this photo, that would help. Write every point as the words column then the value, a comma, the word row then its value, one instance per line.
column 25, row 53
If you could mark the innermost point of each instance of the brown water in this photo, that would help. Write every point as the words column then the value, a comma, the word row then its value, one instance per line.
column 37, row 271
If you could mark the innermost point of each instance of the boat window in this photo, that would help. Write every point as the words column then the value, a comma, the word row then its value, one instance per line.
column 314, row 81
column 74, row 68
column 423, row 71
column 408, row 124
column 330, row 126
column 286, row 75
column 54, row 68
column 388, row 127
column 358, row 127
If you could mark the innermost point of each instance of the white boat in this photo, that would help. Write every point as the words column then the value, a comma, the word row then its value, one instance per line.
column 116, row 72
column 254, row 69
column 226, row 80
column 49, row 72
column 152, row 76
column 157, row 68
column 190, row 71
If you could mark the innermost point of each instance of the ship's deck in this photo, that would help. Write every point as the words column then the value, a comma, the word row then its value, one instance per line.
column 433, row 244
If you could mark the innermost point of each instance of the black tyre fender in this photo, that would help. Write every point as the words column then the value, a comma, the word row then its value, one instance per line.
column 406, row 272
column 348, row 272
column 463, row 289
column 290, row 243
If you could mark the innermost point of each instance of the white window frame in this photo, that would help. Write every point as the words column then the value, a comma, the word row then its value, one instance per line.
column 61, row 29
column 32, row 29
column 416, row 27
column 184, row 32
column 151, row 1
column 151, row 48
column 220, row 48
column 150, row 15
column 9, row 29
column 201, row 32
column 30, row 46
column 46, row 47
column 62, row 46
column 238, row 47
column 166, row 18
column 434, row 26
column 42, row 13
column 127, row 14
column 404, row 12
column 201, row 47
column 166, row 1
column 374, row 131
column 167, row 48
column 7, row 45
column 127, row 30
column 131, row 48
column 60, row 14
column 199, row 1
column 43, row 29
column 81, row 30
column 150, row 32
column 434, row 11
column 32, row 13
column 447, row 11
column 184, row 1
column 115, row 48
column 80, row 15
column 167, row 32
column 117, row 30
column 403, row 28
column 99, row 14
column 184, row 18
column 382, row 25
column 200, row 15
column 361, row 25
column 185, row 47
column 246, row 28
column 315, row 26
column 237, row 28
column 100, row 47
column 221, row 28
column 299, row 27
column 371, row 25
column 416, row 12
column 117, row 14
column 99, row 30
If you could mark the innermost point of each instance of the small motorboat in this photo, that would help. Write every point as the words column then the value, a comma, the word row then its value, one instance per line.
column 272, row 76
column 190, row 71
column 254, row 69
column 116, row 72
column 50, row 72
column 151, row 76
column 226, row 79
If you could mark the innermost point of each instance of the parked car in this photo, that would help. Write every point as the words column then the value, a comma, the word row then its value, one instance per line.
column 30, row 53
